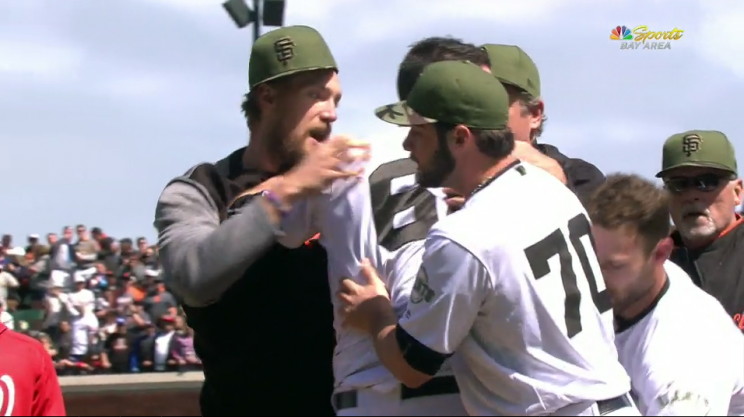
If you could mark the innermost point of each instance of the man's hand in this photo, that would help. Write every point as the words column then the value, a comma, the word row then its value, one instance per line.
column 362, row 302
column 453, row 199
column 528, row 153
column 325, row 163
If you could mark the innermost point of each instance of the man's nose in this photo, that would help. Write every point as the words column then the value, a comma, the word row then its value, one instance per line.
column 692, row 196
column 329, row 113
column 407, row 144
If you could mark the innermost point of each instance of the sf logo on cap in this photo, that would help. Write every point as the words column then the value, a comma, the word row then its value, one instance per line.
column 691, row 143
column 284, row 48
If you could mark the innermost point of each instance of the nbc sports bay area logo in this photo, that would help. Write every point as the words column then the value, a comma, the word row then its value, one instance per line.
column 643, row 38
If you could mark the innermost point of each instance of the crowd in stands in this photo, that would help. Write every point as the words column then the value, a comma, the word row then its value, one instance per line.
column 96, row 303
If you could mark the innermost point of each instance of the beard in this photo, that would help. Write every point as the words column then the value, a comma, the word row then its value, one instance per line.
column 289, row 149
column 696, row 222
column 441, row 166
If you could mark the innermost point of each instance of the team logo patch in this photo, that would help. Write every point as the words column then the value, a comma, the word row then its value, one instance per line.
column 681, row 403
column 691, row 144
column 284, row 48
column 389, row 112
column 421, row 289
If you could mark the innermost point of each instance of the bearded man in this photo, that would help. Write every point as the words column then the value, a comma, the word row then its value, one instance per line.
column 700, row 173
column 261, row 313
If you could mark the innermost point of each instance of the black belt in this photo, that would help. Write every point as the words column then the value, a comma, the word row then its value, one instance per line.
column 437, row 386
column 613, row 404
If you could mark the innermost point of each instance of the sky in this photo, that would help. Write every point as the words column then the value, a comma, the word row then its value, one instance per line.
column 103, row 102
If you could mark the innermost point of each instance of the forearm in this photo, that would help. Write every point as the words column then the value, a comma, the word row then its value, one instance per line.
column 138, row 320
column 175, row 354
column 87, row 257
column 286, row 194
column 386, row 344
column 202, row 257
column 71, row 309
column 388, row 350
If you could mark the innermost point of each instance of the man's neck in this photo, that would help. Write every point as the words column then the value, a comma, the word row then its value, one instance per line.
column 489, row 171
column 256, row 156
column 632, row 311
column 698, row 243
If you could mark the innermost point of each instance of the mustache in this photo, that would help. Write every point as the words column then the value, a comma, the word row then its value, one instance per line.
column 695, row 209
column 321, row 133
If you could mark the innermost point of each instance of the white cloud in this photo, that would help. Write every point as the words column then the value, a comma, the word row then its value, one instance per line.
column 128, row 85
column 721, row 34
column 381, row 22
column 188, row 5
column 45, row 60
column 374, row 20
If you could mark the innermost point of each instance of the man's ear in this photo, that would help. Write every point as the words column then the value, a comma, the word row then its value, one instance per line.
column 536, row 114
column 460, row 135
column 664, row 249
column 737, row 191
column 267, row 96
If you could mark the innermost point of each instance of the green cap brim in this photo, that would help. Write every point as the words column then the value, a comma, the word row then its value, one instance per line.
column 400, row 114
column 712, row 165
column 292, row 72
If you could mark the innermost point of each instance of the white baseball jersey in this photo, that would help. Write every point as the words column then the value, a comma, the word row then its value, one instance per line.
column 511, row 283
column 685, row 356
column 352, row 218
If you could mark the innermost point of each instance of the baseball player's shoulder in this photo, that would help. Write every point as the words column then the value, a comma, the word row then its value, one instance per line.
column 674, row 326
column 22, row 347
column 549, row 185
column 458, row 228
column 685, row 292
column 208, row 180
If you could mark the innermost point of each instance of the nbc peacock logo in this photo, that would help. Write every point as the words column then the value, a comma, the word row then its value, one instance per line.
column 641, row 37
column 621, row 33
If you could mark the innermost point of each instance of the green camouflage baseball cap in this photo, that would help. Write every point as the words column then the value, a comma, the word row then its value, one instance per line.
column 454, row 92
column 511, row 65
column 286, row 51
column 698, row 148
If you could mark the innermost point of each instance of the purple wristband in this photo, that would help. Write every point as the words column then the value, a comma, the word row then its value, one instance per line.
column 274, row 201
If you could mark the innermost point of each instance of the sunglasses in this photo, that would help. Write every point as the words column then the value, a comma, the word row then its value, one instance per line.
column 705, row 183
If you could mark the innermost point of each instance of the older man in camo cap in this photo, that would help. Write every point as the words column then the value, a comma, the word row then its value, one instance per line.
column 700, row 172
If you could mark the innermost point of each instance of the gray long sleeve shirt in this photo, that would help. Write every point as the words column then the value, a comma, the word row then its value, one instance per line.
column 202, row 257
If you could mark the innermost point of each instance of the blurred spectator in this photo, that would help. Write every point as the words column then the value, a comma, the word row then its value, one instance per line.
column 32, row 243
column 6, row 243
column 183, row 347
column 56, row 308
column 52, row 239
column 109, row 254
column 96, row 303
column 157, row 301
column 7, row 281
column 97, row 234
column 46, row 341
column 117, row 347
column 158, row 349
column 6, row 318
column 86, row 249
column 62, row 253
column 126, row 248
